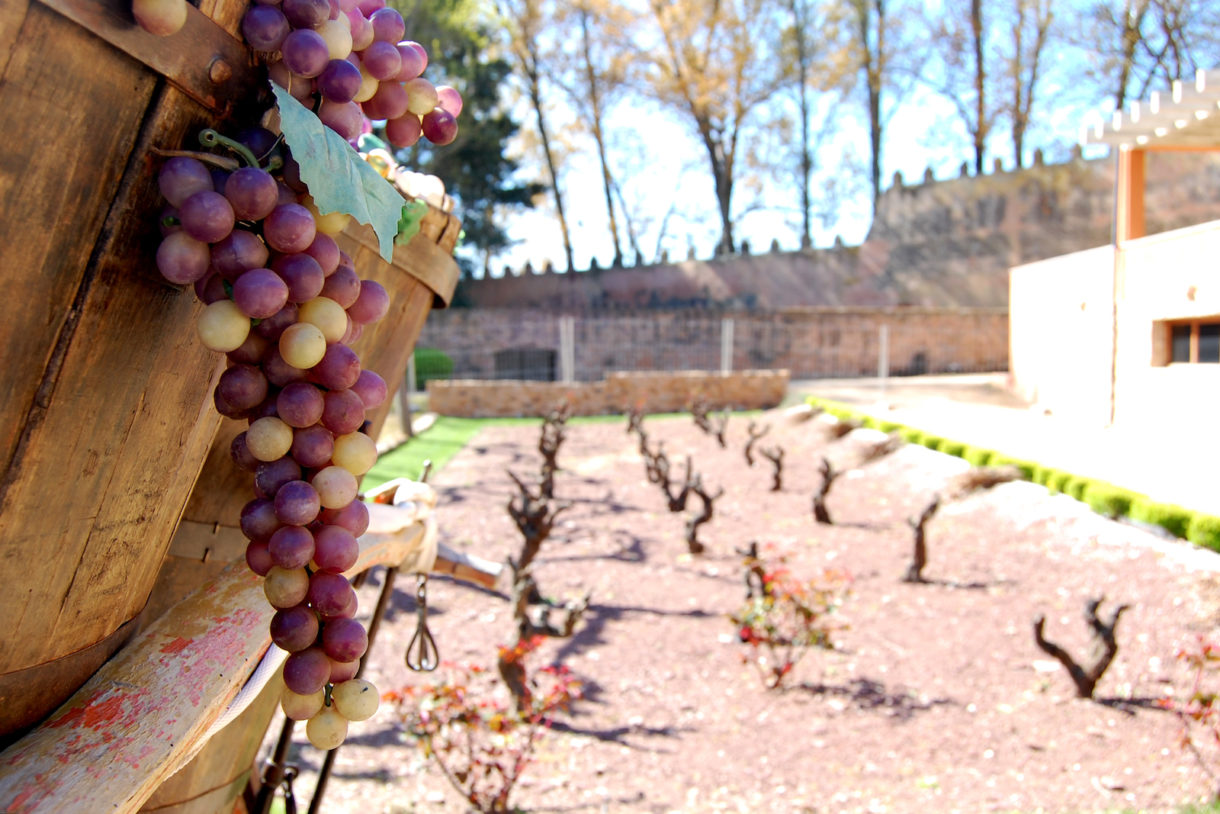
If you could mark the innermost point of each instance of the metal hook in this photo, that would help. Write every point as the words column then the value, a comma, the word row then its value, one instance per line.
column 422, row 654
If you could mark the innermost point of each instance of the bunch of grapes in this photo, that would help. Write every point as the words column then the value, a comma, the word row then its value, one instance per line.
column 348, row 59
column 284, row 303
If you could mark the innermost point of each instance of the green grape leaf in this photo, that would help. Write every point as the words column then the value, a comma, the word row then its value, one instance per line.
column 408, row 226
column 338, row 178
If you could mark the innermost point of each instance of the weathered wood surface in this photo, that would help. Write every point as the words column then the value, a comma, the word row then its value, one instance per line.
column 148, row 709
column 105, row 418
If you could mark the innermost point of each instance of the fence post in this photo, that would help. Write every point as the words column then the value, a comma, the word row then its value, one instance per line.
column 726, row 346
column 567, row 349
column 883, row 358
column 404, row 396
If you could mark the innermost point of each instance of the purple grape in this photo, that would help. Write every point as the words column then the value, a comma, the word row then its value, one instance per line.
column 181, row 177
column 307, row 13
column 330, row 594
column 250, row 352
column 258, row 557
column 301, row 273
column 306, row 671
column 289, row 228
column 260, row 293
column 339, row 81
column 353, row 333
column 341, row 671
column 168, row 221
column 277, row 371
column 182, row 259
column 258, row 520
column 404, row 131
column 335, row 548
column 294, row 629
column 260, row 140
column 270, row 476
column 362, row 30
column 413, row 61
column 264, row 27
column 343, row 413
column 342, row 286
column 291, row 546
column 305, row 53
column 440, row 127
column 300, row 405
column 344, row 639
column 449, row 99
column 371, row 304
column 345, row 118
column 297, row 504
column 220, row 178
column 252, row 193
column 381, row 60
column 243, row 386
column 325, row 250
column 238, row 253
column 207, row 216
column 338, row 370
column 274, row 325
column 389, row 102
column 211, row 289
column 354, row 517
column 312, row 446
column 371, row 389
column 227, row 409
column 240, row 453
column 388, row 25
column 367, row 7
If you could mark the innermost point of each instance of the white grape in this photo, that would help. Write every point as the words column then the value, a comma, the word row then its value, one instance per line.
column 286, row 587
column 338, row 37
column 302, row 345
column 368, row 86
column 302, row 707
column 327, row 729
column 356, row 699
column 355, row 452
column 332, row 223
column 336, row 487
column 269, row 438
column 327, row 315
column 223, row 327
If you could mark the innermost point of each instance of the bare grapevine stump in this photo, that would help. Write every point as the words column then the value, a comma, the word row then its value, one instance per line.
column 535, row 516
column 820, row 514
column 552, row 437
column 776, row 456
column 1102, row 649
column 695, row 521
column 981, row 477
column 753, row 439
column 919, row 559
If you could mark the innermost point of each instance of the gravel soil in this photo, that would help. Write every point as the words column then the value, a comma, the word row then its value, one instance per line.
column 934, row 697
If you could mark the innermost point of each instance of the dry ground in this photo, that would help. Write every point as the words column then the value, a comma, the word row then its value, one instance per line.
column 934, row 699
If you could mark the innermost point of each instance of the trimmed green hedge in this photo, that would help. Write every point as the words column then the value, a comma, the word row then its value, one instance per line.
column 1204, row 530
column 1108, row 499
column 1104, row 498
column 1174, row 519
column 431, row 363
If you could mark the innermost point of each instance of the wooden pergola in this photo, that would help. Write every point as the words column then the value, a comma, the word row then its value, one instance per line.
column 1185, row 119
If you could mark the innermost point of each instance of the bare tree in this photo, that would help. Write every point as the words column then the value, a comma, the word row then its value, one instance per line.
column 1031, row 30
column 525, row 21
column 714, row 65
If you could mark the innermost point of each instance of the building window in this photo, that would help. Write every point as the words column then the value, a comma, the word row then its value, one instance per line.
column 1196, row 341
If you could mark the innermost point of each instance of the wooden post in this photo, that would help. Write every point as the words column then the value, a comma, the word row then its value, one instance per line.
column 1129, row 191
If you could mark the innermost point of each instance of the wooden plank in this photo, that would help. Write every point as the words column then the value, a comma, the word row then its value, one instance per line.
column 203, row 60
column 68, row 133
column 130, row 386
column 1129, row 206
column 111, row 745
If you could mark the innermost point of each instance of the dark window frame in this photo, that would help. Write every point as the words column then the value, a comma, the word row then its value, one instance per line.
column 1194, row 326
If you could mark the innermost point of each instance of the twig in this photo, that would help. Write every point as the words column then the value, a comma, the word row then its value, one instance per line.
column 1102, row 649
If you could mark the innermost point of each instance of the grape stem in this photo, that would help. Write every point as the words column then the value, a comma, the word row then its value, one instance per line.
column 210, row 138
column 223, row 162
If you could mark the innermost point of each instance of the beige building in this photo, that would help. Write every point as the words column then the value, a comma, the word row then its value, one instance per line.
column 1129, row 334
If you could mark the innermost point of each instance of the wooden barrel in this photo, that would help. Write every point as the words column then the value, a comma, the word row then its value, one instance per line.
column 105, row 416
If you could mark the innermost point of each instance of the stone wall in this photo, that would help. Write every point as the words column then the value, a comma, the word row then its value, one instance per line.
column 947, row 242
column 617, row 393
column 808, row 342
